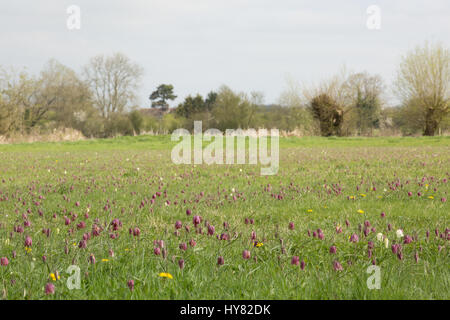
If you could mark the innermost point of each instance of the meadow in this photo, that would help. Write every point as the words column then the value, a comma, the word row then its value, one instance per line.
column 139, row 227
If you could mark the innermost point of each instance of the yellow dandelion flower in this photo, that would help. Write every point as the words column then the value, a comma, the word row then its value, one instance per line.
column 362, row 195
column 53, row 276
column 360, row 211
column 259, row 244
column 105, row 260
column 27, row 249
column 165, row 275
column 309, row 210
column 430, row 197
column 352, row 197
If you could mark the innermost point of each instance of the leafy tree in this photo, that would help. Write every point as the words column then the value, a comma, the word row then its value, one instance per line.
column 191, row 106
column 210, row 100
column 161, row 95
column 424, row 78
column 328, row 113
column 231, row 110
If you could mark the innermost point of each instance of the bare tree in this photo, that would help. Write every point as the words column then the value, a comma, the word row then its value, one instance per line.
column 364, row 95
column 424, row 77
column 113, row 81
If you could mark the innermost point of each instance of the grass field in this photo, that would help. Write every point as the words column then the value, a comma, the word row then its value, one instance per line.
column 118, row 198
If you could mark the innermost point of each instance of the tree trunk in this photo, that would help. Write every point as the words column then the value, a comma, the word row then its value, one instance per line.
column 430, row 123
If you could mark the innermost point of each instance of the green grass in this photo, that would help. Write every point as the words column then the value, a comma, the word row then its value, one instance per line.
column 149, row 142
column 318, row 174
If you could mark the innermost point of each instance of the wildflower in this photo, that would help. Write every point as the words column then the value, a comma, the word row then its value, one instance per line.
column 333, row 249
column 165, row 275
column 379, row 236
column 337, row 266
column 366, row 231
column 82, row 244
column 302, row 265
column 54, row 277
column 399, row 233
column 220, row 261
column 246, row 254
column 49, row 288
column 196, row 220
column 309, row 210
column 360, row 211
column 295, row 260
column 181, row 263
column 130, row 284
column 291, row 226
column 259, row 244
column 4, row 261
column 178, row 224
column 192, row 243
column 188, row 212
column 354, row 238
column 320, row 234
column 183, row 246
column 407, row 240
column 28, row 241
column 92, row 259
column 136, row 232
column 105, row 260
column 157, row 251
column 224, row 236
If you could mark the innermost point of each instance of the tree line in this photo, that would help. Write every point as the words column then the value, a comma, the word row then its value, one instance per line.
column 101, row 101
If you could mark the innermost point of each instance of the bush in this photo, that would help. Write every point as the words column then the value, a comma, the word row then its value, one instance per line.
column 136, row 120
column 118, row 124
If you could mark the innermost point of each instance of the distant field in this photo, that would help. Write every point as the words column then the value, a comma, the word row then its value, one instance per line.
column 68, row 195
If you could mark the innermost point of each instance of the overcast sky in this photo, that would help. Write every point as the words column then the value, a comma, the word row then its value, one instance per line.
column 198, row 45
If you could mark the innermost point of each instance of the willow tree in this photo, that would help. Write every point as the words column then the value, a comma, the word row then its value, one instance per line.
column 424, row 77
